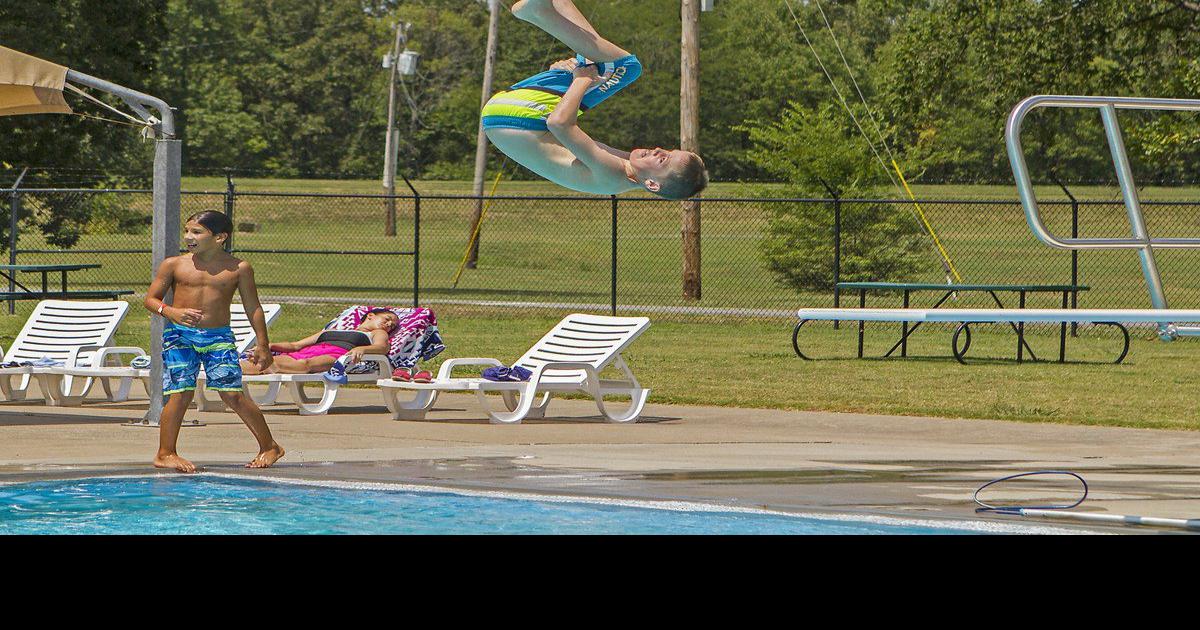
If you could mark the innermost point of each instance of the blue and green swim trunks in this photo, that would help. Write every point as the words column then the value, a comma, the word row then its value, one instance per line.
column 527, row 104
column 186, row 348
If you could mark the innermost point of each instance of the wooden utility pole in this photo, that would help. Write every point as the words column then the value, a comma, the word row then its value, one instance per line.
column 689, row 123
column 481, row 141
column 393, row 139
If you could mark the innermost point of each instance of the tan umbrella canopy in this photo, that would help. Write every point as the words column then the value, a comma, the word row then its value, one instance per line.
column 29, row 85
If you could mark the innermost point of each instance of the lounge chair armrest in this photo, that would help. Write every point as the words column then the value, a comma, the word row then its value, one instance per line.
column 448, row 366
column 592, row 374
column 73, row 357
column 111, row 351
column 385, row 366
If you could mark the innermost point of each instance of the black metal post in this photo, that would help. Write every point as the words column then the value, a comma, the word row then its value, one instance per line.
column 1074, row 252
column 1074, row 263
column 837, row 256
column 229, row 203
column 613, row 262
column 15, row 208
column 416, row 242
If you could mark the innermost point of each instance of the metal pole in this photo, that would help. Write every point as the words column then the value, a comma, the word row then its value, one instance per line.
column 481, row 141
column 165, row 229
column 167, row 157
column 392, row 140
column 229, row 203
column 1074, row 261
column 613, row 261
column 1133, row 207
column 837, row 256
column 15, row 207
column 416, row 243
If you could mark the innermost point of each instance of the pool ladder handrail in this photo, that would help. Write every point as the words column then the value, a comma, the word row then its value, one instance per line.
column 1141, row 241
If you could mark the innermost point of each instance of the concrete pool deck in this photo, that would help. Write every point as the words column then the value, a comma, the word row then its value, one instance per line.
column 789, row 460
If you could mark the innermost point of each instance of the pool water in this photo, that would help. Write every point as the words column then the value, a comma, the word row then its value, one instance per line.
column 208, row 504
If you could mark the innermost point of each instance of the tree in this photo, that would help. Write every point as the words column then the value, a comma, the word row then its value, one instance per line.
column 950, row 76
column 117, row 41
column 817, row 153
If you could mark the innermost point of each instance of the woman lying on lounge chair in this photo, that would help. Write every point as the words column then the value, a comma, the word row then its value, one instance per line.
column 317, row 352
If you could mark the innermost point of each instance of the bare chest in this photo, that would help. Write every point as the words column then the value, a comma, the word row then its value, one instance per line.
column 221, row 280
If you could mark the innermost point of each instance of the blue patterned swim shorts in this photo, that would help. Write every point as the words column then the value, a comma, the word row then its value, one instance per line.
column 186, row 348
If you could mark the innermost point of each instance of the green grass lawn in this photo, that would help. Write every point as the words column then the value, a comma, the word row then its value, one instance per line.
column 751, row 364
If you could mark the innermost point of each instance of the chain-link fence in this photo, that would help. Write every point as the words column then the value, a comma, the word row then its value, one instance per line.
column 600, row 254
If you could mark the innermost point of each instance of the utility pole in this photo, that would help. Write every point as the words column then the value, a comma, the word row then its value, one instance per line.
column 481, row 142
column 689, row 123
column 393, row 136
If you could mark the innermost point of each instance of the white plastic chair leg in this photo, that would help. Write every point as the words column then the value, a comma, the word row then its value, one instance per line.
column 122, row 393
column 311, row 405
column 414, row 409
column 515, row 415
column 268, row 397
column 301, row 398
column 536, row 410
column 52, row 390
column 637, row 400
column 58, row 388
column 14, row 393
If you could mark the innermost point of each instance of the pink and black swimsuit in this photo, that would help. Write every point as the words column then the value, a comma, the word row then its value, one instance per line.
column 332, row 343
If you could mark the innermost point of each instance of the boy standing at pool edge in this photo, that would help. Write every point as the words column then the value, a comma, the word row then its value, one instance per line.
column 197, row 331
column 535, row 121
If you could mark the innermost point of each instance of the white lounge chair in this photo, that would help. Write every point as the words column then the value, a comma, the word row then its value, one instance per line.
column 69, row 331
column 568, row 359
column 307, row 405
column 59, row 379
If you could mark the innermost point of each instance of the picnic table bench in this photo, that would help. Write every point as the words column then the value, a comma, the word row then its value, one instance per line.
column 908, row 327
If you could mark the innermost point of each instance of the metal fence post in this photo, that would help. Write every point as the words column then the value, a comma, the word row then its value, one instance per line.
column 614, row 256
column 230, row 194
column 837, row 255
column 1074, row 252
column 1074, row 263
column 416, row 241
column 15, row 208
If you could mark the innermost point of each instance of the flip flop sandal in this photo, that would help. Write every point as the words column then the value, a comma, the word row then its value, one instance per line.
column 403, row 375
column 422, row 377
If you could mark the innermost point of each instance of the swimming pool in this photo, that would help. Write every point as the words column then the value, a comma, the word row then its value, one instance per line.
column 227, row 504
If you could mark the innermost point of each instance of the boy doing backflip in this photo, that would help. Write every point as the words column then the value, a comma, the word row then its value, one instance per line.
column 535, row 122
column 197, row 332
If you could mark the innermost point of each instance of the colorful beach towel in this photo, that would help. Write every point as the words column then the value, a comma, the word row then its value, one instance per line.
column 415, row 339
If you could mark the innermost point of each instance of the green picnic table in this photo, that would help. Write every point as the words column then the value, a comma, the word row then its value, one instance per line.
column 948, row 290
column 25, row 293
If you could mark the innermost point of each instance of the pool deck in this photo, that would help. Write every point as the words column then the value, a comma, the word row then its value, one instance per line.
column 788, row 460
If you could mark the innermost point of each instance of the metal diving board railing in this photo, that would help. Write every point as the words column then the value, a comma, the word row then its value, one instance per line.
column 1140, row 239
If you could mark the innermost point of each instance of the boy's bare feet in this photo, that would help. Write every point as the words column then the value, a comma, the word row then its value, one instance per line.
column 174, row 461
column 267, row 457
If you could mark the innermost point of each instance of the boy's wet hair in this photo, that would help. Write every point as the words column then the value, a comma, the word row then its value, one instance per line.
column 376, row 311
column 686, row 181
column 214, row 221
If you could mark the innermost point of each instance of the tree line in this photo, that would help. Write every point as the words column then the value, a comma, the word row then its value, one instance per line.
column 295, row 88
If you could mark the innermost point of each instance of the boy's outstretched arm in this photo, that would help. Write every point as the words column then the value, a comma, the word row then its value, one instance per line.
column 564, row 125
column 254, row 312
